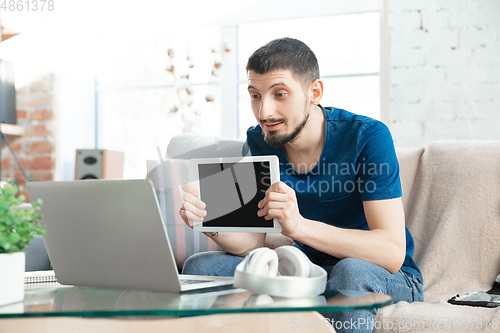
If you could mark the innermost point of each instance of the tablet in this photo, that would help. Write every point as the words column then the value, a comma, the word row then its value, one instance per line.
column 231, row 188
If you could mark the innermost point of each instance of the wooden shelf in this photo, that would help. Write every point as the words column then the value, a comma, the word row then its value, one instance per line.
column 8, row 33
column 10, row 129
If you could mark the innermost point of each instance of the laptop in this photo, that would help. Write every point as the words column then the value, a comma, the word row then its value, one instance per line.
column 111, row 234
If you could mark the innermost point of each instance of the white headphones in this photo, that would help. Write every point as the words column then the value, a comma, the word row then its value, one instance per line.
column 285, row 271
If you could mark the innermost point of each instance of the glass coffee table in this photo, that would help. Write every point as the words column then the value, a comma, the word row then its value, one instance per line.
column 55, row 300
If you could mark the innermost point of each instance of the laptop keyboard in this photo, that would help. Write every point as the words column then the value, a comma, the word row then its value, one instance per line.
column 192, row 281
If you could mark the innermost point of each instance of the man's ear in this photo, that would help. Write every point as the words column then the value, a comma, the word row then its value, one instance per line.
column 316, row 92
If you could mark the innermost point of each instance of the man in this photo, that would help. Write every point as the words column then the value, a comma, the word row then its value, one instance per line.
column 339, row 198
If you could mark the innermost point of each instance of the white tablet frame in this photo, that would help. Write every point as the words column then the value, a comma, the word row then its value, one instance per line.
column 194, row 179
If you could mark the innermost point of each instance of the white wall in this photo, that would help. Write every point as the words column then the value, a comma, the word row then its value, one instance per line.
column 74, row 103
column 444, row 70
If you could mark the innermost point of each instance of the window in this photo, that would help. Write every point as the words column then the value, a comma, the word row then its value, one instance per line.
column 135, row 92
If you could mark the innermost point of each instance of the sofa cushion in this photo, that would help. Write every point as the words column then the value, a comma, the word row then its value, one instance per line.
column 189, row 146
column 436, row 316
column 451, row 194
column 453, row 213
column 409, row 159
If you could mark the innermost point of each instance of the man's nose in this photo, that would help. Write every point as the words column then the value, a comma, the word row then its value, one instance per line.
column 266, row 110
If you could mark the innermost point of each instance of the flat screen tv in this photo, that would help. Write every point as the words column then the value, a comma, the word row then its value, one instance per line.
column 7, row 93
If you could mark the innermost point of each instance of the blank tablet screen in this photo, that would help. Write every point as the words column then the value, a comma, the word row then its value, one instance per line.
column 232, row 191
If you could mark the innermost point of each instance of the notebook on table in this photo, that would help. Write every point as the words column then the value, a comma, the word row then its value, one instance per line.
column 110, row 233
column 40, row 276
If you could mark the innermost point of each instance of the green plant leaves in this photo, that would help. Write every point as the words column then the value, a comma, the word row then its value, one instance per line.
column 14, row 238
column 17, row 225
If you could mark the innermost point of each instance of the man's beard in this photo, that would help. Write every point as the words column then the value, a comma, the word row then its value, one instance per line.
column 275, row 140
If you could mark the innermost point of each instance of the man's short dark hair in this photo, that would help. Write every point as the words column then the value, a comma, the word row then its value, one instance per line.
column 286, row 53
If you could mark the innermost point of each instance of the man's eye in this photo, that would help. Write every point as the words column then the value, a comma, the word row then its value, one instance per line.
column 280, row 94
column 254, row 96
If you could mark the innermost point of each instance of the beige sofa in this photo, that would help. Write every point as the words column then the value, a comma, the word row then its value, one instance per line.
column 451, row 195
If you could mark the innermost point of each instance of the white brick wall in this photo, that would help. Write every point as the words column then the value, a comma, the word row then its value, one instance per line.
column 445, row 70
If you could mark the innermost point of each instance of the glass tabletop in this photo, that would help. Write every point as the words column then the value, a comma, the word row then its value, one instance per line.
column 58, row 300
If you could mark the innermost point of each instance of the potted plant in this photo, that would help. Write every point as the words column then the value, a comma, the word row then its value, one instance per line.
column 18, row 225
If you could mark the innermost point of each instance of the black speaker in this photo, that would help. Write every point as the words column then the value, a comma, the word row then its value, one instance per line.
column 98, row 164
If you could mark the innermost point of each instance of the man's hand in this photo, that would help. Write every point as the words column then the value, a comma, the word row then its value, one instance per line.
column 281, row 203
column 192, row 209
column 237, row 243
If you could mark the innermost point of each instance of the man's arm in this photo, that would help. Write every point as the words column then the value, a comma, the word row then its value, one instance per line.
column 238, row 243
column 274, row 240
column 384, row 244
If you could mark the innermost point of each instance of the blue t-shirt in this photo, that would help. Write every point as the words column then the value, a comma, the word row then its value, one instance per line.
column 358, row 163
